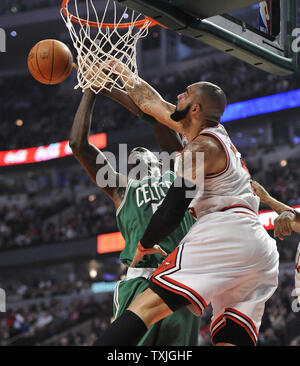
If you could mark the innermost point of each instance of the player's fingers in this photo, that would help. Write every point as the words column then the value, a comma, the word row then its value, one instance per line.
column 137, row 257
column 160, row 250
column 277, row 229
column 287, row 227
column 75, row 66
column 281, row 227
column 277, row 233
column 134, row 261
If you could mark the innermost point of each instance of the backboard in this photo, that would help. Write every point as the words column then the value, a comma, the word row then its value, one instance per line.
column 267, row 46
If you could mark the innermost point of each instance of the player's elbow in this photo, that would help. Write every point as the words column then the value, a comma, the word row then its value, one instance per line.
column 77, row 146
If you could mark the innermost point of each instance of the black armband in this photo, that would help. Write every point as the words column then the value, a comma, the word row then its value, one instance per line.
column 169, row 214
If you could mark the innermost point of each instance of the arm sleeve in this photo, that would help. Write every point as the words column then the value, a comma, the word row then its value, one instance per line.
column 169, row 214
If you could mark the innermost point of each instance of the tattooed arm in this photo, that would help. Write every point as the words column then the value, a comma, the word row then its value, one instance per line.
column 147, row 98
column 167, row 139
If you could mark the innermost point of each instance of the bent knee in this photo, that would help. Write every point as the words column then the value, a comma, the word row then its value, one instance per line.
column 146, row 300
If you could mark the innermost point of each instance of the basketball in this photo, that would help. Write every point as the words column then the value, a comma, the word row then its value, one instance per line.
column 50, row 62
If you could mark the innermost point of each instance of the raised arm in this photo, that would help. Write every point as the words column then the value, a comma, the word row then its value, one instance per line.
column 288, row 219
column 167, row 139
column 87, row 154
column 147, row 98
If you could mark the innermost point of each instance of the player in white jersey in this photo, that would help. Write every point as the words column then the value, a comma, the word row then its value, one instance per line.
column 287, row 221
column 227, row 258
column 229, row 187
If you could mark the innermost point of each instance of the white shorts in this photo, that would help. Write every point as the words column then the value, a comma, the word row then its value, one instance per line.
column 297, row 273
column 226, row 259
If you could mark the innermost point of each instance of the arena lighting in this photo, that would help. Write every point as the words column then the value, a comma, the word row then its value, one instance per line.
column 283, row 163
column 92, row 197
column 248, row 108
column 114, row 242
column 108, row 243
column 93, row 273
column 101, row 287
column 263, row 105
column 45, row 153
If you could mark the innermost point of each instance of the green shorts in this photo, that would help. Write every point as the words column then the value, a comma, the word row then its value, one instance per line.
column 178, row 329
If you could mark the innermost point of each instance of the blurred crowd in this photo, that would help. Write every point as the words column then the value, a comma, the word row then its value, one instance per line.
column 18, row 290
column 37, row 323
column 50, row 118
column 33, row 324
column 55, row 213
column 283, row 181
column 24, row 227
column 17, row 6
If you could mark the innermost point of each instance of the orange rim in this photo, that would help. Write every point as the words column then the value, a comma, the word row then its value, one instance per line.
column 75, row 19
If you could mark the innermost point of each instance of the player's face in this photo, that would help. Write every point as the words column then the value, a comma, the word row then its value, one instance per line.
column 184, row 103
column 142, row 162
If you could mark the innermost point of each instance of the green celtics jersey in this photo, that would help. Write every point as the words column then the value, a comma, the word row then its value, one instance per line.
column 142, row 197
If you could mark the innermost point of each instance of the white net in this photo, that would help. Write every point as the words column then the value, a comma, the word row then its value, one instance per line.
column 97, row 44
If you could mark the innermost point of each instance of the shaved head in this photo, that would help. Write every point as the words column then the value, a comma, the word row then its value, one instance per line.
column 212, row 100
column 205, row 99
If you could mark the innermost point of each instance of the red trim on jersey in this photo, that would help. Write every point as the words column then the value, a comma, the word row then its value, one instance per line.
column 217, row 174
column 179, row 293
column 245, row 213
column 237, row 206
column 170, row 263
column 216, row 330
column 242, row 325
column 216, row 321
column 245, row 317
column 231, row 316
column 203, row 302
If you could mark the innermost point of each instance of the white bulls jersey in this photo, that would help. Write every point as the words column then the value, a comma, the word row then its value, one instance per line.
column 227, row 258
column 228, row 188
column 297, row 273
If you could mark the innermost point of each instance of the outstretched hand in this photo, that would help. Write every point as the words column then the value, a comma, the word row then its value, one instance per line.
column 141, row 251
column 284, row 224
column 96, row 73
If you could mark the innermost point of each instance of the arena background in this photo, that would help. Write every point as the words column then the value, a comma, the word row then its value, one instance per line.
column 57, row 265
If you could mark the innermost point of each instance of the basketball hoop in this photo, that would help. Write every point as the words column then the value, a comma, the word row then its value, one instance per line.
column 98, row 43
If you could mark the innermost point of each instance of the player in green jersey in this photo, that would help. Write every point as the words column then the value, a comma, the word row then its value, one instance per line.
column 135, row 200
